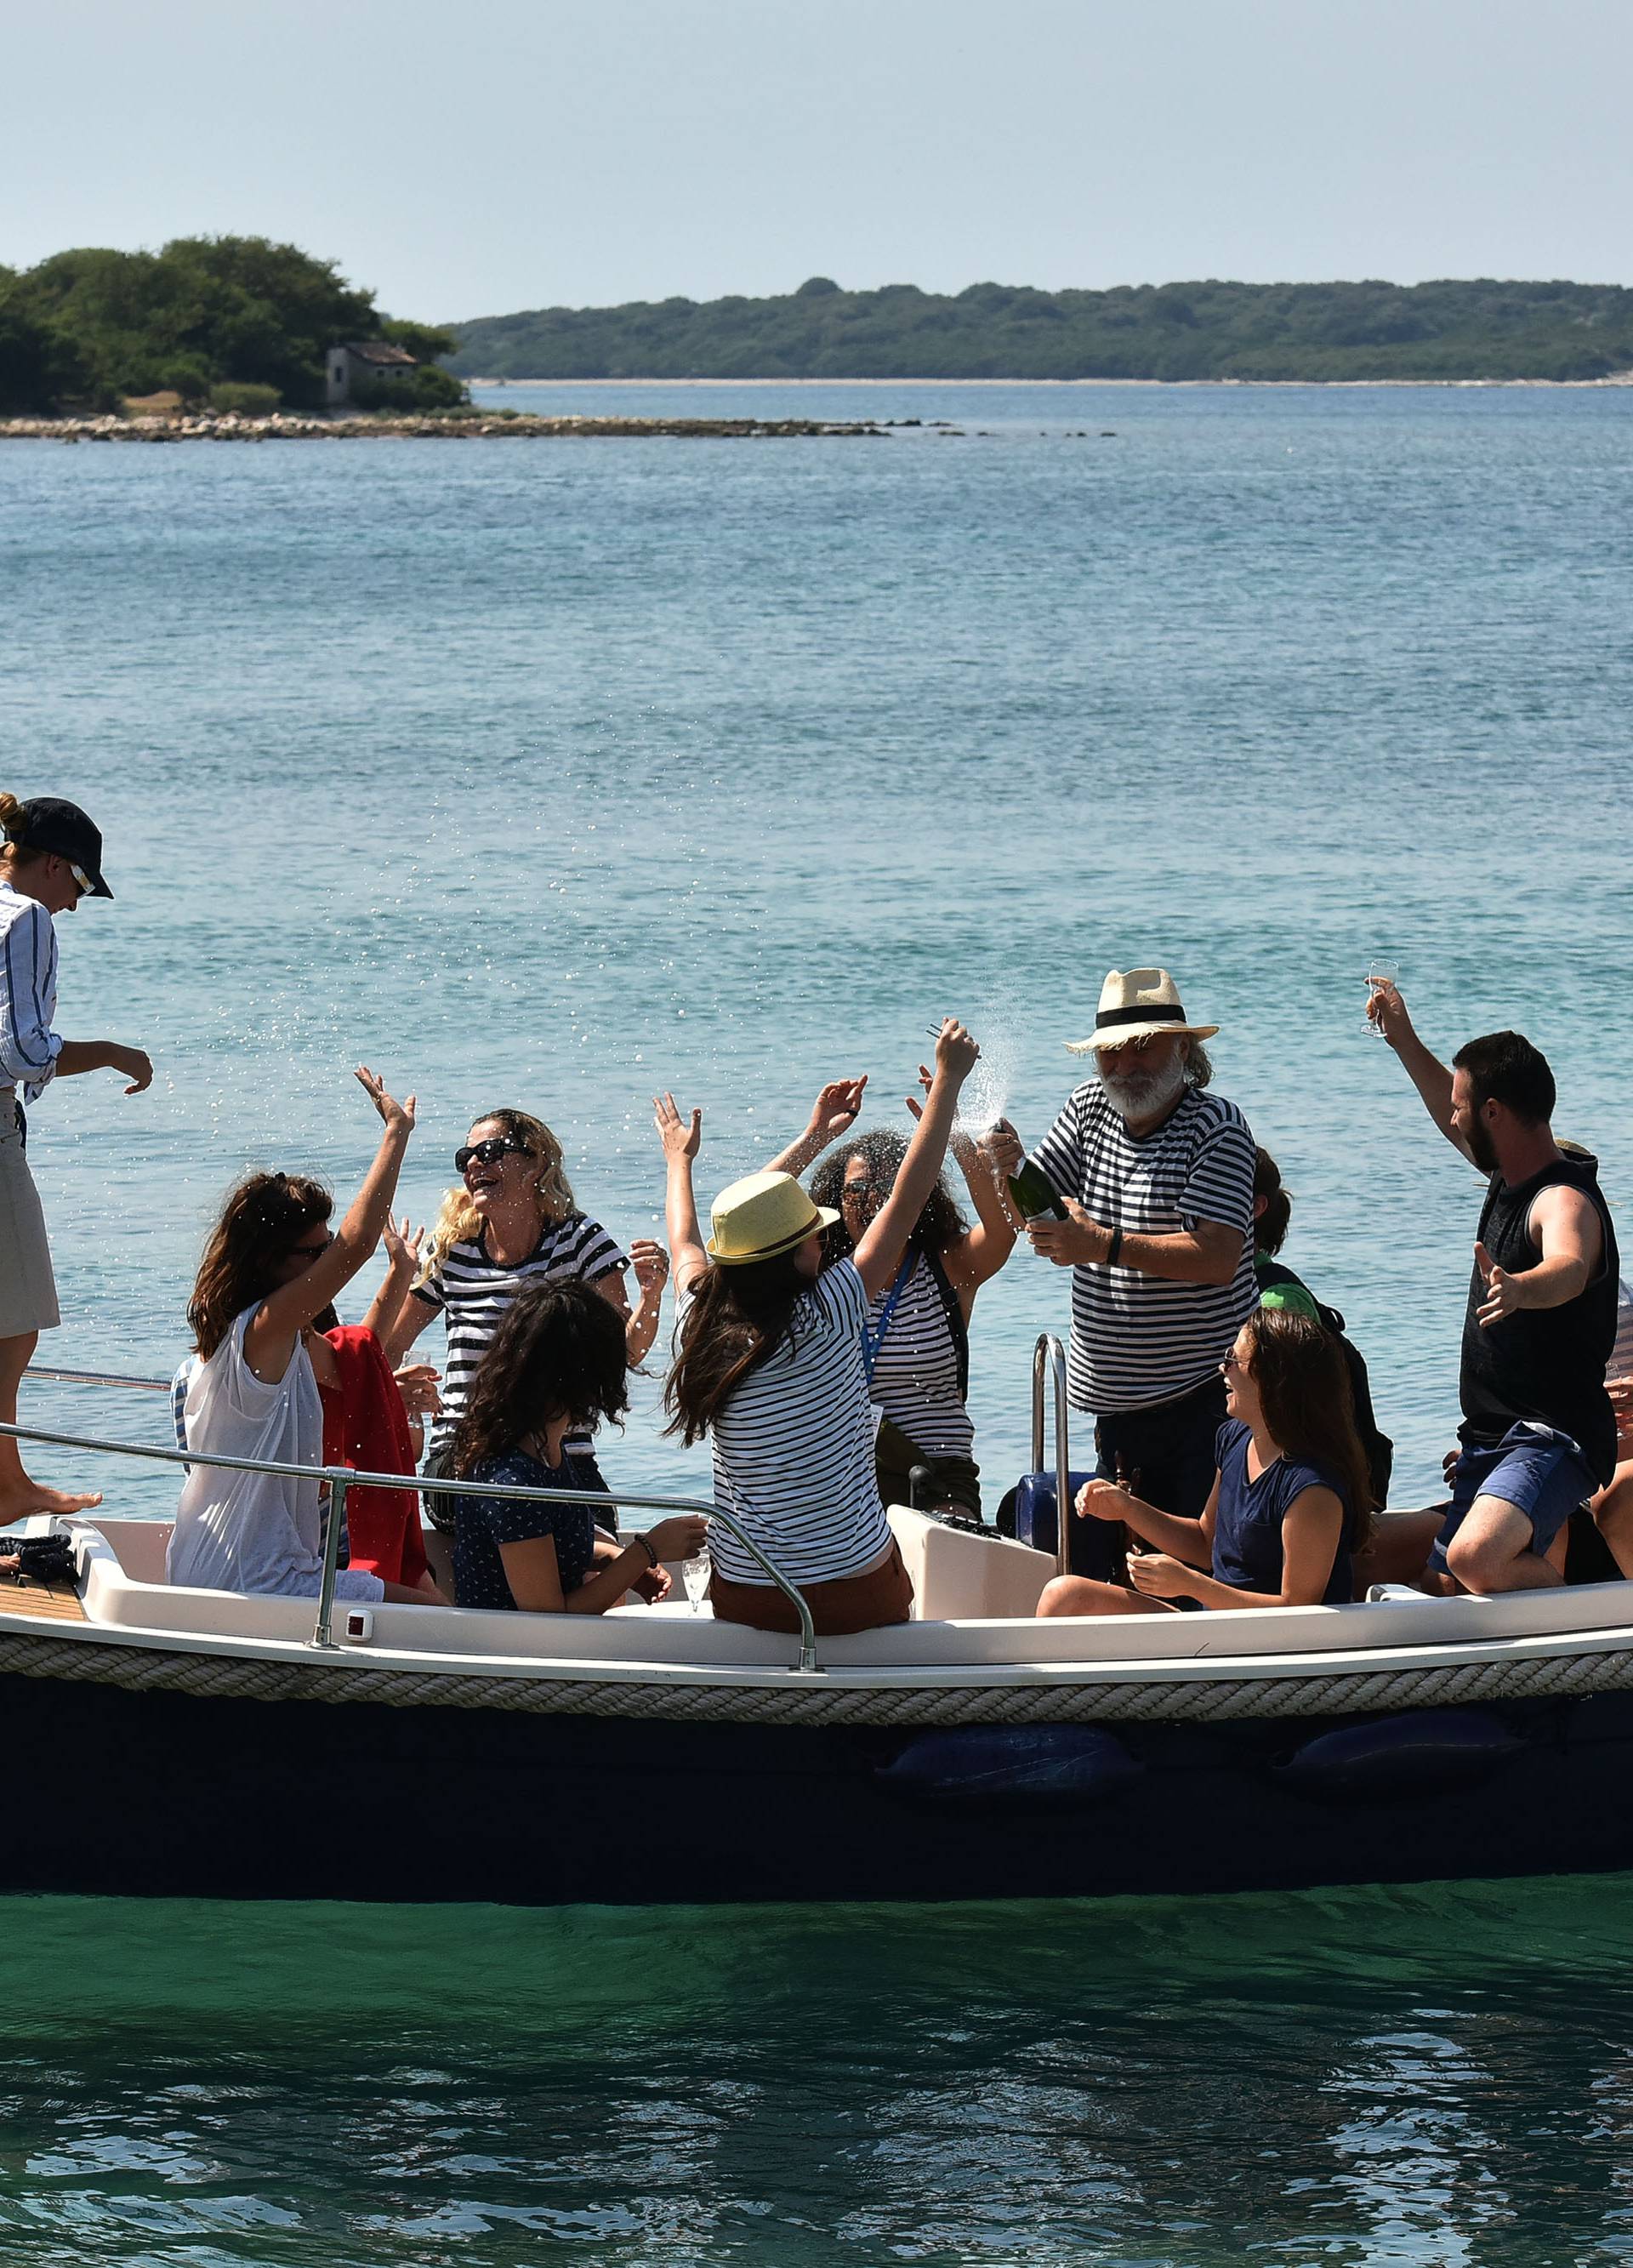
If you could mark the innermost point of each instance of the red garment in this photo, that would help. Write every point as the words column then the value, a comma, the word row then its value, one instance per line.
column 365, row 1427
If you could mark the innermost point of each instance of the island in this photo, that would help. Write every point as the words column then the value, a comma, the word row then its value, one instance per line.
column 1286, row 333
column 239, row 337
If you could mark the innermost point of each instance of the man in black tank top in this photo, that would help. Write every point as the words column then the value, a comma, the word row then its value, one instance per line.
column 1538, row 1434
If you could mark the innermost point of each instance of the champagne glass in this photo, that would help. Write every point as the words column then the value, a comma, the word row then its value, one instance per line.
column 1381, row 970
column 694, row 1573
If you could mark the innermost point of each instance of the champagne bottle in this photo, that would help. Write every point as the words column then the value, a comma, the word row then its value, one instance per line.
column 1030, row 1191
column 1124, row 1542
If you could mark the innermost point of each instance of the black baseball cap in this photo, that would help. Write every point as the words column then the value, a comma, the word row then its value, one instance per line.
column 50, row 822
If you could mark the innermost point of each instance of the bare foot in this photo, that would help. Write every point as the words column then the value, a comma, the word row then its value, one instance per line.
column 22, row 1496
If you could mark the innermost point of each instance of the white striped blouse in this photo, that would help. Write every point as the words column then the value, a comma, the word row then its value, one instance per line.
column 28, row 1046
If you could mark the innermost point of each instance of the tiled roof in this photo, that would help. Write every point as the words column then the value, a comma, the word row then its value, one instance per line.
column 378, row 350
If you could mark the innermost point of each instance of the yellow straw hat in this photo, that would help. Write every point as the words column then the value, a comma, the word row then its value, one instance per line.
column 761, row 1216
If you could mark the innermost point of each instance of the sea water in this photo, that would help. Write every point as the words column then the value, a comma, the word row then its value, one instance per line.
column 561, row 773
column 1437, row 2075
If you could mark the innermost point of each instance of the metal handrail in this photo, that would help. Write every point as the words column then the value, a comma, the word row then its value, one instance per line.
column 341, row 1477
column 1048, row 1354
column 97, row 1378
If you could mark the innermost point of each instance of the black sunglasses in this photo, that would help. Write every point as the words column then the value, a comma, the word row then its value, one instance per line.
column 489, row 1152
column 311, row 1251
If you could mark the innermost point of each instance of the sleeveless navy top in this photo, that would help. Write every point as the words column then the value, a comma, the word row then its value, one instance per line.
column 1247, row 1523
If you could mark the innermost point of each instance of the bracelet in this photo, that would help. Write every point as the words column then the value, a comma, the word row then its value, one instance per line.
column 1114, row 1247
column 646, row 1543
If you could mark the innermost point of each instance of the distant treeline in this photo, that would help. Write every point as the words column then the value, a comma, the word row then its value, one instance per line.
column 208, row 315
column 1288, row 331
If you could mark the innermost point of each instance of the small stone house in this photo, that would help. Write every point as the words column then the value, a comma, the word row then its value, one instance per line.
column 371, row 358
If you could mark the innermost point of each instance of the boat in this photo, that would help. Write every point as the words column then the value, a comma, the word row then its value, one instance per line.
column 172, row 1741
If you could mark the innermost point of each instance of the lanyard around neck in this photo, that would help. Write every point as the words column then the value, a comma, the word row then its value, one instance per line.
column 873, row 1339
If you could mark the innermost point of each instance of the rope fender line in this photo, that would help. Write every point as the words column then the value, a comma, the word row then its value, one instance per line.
column 814, row 1702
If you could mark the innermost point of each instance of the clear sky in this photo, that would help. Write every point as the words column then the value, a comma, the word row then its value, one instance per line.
column 465, row 161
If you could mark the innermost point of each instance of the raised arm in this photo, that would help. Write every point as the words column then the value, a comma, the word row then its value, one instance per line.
column 651, row 1264
column 403, row 1257
column 834, row 1113
column 411, row 1318
column 279, row 1322
column 680, row 1139
column 1428, row 1074
column 882, row 1243
column 983, row 1251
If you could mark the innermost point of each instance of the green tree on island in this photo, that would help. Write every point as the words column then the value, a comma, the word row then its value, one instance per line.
column 93, row 325
column 1309, row 332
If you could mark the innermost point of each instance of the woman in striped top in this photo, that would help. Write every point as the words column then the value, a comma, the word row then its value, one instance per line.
column 771, row 1365
column 917, row 1352
column 511, row 1221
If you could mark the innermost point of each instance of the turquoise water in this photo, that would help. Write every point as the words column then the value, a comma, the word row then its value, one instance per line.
column 552, row 773
column 1437, row 2075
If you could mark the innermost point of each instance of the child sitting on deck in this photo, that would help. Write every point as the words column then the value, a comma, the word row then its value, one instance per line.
column 1289, row 1508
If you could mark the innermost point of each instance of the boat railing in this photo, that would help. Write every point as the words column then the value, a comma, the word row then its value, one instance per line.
column 341, row 1478
column 98, row 1378
column 1049, row 1361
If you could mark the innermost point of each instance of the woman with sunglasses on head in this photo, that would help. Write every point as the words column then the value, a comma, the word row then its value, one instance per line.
column 52, row 857
column 1289, row 1506
column 771, row 1365
column 371, row 1419
column 917, row 1350
column 514, row 1221
column 269, row 1276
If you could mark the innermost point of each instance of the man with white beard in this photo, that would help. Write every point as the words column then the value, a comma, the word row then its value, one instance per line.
column 1157, row 1179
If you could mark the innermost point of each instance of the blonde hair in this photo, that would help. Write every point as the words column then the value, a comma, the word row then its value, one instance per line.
column 459, row 1222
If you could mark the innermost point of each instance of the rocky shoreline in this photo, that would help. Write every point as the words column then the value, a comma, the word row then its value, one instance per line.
column 282, row 426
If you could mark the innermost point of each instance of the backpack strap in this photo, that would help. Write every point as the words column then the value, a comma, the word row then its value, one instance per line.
column 956, row 1323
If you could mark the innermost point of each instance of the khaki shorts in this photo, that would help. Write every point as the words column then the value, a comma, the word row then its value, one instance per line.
column 27, row 1288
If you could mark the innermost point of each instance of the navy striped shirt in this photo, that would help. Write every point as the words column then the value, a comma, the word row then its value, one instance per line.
column 793, row 1448
column 916, row 1370
column 475, row 1291
column 1138, row 1339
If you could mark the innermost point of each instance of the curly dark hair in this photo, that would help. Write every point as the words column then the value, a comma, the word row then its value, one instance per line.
column 262, row 1221
column 560, row 1351
column 940, row 1223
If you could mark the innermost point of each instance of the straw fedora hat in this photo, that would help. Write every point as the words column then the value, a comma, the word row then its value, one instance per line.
column 761, row 1216
column 1136, row 1003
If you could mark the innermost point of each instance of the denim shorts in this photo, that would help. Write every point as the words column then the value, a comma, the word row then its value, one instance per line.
column 1539, row 1471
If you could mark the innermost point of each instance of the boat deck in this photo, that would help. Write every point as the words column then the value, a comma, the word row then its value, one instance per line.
column 51, row 1603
